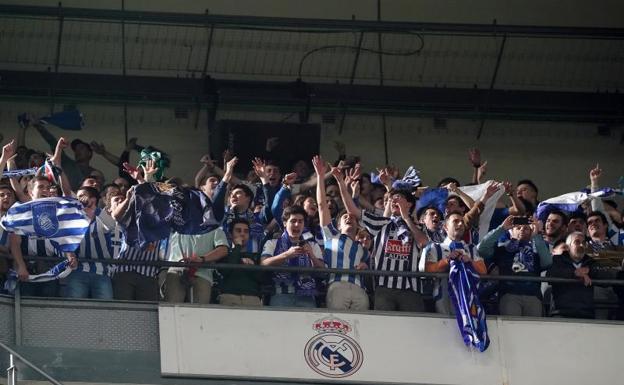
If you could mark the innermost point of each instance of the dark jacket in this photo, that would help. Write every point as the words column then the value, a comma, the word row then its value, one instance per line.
column 573, row 300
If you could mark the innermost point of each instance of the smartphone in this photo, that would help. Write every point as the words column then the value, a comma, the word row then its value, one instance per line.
column 520, row 221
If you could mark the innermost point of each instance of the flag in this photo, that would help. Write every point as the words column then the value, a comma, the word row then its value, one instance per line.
column 463, row 284
column 569, row 202
column 62, row 220
column 67, row 120
column 59, row 271
column 410, row 181
column 476, row 193
column 20, row 173
column 157, row 208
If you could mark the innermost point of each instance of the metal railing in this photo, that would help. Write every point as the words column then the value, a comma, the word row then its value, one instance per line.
column 327, row 270
column 12, row 369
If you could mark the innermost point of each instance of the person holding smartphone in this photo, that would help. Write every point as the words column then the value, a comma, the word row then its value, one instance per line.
column 525, row 253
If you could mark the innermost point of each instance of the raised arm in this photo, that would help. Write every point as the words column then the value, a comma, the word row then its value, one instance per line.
column 419, row 236
column 207, row 167
column 99, row 149
column 61, row 145
column 284, row 193
column 8, row 152
column 596, row 204
column 487, row 246
column 517, row 207
column 348, row 202
column 321, row 199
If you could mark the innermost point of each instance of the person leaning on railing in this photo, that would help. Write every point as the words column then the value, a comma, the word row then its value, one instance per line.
column 240, row 288
column 525, row 253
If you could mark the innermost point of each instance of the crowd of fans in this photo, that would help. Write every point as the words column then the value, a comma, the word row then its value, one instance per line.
column 321, row 215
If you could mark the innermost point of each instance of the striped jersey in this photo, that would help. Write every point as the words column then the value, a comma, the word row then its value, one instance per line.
column 285, row 282
column 37, row 247
column 153, row 252
column 342, row 252
column 391, row 253
column 97, row 244
column 435, row 252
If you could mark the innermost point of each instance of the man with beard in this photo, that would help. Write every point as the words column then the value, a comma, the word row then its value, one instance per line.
column 555, row 228
column 92, row 279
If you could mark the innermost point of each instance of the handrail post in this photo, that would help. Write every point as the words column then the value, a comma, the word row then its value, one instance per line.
column 11, row 371
column 17, row 313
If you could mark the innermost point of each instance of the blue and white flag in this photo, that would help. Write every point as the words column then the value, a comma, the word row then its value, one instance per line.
column 20, row 173
column 67, row 120
column 570, row 202
column 59, row 271
column 61, row 220
column 463, row 290
column 476, row 192
column 410, row 181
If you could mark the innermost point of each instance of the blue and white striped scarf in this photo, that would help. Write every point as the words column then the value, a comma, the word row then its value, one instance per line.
column 62, row 220
column 59, row 271
column 463, row 290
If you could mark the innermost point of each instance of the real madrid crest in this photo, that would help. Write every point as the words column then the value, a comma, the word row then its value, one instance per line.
column 332, row 353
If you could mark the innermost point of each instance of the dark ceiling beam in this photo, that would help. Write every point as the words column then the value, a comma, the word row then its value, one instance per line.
column 238, row 21
column 282, row 96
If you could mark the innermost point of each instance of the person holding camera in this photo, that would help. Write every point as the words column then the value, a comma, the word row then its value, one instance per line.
column 525, row 253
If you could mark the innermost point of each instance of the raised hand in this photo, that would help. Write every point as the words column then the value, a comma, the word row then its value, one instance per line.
column 337, row 174
column 474, row 156
column 482, row 170
column 384, row 176
column 229, row 169
column 319, row 165
column 289, row 179
column 508, row 186
column 259, row 167
column 61, row 145
column 595, row 173
column 8, row 151
column 227, row 156
column 508, row 222
column 207, row 161
column 149, row 169
column 134, row 172
column 491, row 189
column 98, row 148
column 536, row 225
column 355, row 173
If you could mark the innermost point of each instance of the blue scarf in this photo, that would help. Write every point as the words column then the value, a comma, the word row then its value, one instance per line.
column 524, row 259
column 304, row 284
column 463, row 290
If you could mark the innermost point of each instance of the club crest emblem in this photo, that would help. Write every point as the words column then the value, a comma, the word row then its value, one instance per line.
column 45, row 222
column 332, row 353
